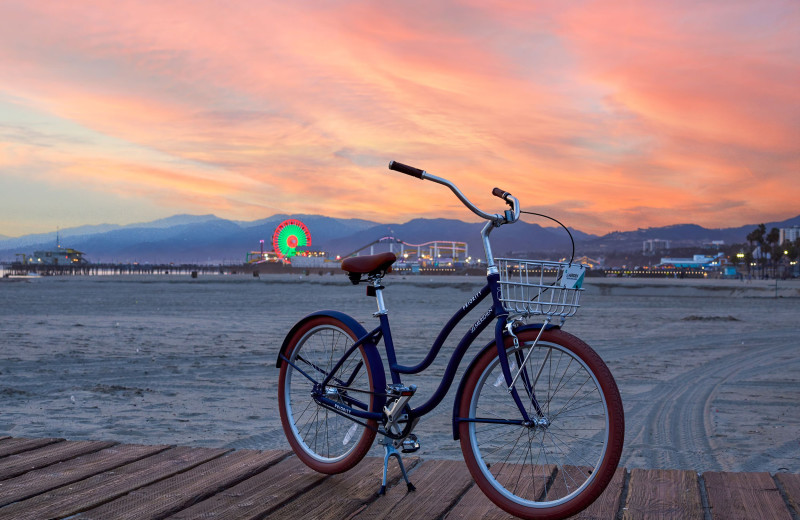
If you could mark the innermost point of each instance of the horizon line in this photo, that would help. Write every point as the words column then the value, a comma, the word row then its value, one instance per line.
column 60, row 230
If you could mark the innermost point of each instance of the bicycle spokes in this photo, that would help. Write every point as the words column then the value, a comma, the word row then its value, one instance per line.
column 553, row 456
column 317, row 416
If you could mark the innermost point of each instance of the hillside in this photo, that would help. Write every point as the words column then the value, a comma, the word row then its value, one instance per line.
column 209, row 239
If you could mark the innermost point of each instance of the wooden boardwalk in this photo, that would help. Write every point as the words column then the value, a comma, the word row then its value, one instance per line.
column 81, row 480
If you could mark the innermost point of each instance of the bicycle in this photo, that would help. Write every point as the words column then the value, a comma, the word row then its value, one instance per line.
column 537, row 412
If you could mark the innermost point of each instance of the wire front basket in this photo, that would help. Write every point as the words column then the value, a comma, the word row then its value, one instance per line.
column 537, row 287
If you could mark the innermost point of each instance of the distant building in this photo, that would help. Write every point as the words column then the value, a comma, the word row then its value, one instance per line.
column 58, row 256
column 257, row 257
column 591, row 263
column 696, row 262
column 788, row 234
column 314, row 259
column 654, row 245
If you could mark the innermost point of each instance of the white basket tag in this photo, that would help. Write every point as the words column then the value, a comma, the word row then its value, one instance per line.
column 573, row 276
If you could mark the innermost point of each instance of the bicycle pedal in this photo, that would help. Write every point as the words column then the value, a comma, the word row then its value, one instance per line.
column 410, row 444
column 398, row 389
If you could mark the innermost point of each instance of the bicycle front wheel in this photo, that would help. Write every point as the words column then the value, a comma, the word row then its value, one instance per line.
column 324, row 440
column 562, row 458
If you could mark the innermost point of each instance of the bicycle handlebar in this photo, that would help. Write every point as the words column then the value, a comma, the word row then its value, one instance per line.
column 508, row 217
column 408, row 170
column 497, row 192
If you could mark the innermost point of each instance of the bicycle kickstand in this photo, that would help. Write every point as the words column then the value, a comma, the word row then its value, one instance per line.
column 390, row 451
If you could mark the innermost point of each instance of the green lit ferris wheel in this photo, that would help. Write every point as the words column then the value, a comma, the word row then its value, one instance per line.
column 288, row 237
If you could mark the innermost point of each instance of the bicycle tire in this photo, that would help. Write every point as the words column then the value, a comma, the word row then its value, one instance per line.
column 325, row 440
column 555, row 468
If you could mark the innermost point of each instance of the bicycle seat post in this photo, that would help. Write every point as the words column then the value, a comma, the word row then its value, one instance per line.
column 376, row 289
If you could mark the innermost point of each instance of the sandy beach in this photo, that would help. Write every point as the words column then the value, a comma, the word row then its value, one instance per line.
column 708, row 370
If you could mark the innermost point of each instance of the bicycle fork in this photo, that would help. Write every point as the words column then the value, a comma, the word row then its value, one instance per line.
column 516, row 369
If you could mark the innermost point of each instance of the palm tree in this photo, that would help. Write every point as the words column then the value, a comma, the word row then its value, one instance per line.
column 772, row 240
column 757, row 237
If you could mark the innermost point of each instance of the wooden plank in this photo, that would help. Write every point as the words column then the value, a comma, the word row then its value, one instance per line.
column 258, row 496
column 735, row 496
column 51, row 477
column 608, row 503
column 15, row 465
column 663, row 494
column 791, row 486
column 86, row 494
column 175, row 493
column 439, row 483
column 18, row 445
column 475, row 504
column 341, row 495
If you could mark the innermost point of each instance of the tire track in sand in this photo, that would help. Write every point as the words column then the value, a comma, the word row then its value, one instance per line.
column 669, row 426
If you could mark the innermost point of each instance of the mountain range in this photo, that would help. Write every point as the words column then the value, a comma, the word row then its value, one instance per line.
column 209, row 239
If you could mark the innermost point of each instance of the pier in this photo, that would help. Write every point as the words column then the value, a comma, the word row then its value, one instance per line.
column 83, row 480
column 18, row 269
column 205, row 269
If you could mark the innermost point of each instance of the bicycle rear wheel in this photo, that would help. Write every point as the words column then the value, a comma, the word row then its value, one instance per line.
column 560, row 462
column 324, row 440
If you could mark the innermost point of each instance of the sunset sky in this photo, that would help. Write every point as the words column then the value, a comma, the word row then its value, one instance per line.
column 606, row 115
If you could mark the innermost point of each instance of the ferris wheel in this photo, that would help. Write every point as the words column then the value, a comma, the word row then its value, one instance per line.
column 288, row 237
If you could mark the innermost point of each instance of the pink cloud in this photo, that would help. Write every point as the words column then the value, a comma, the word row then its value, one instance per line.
column 618, row 115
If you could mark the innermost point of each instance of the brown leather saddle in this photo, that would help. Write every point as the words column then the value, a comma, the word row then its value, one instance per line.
column 371, row 265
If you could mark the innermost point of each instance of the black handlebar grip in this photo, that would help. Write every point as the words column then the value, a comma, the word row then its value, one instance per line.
column 404, row 168
column 497, row 192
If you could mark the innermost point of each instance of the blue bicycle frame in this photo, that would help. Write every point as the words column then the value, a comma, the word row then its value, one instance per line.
column 360, row 409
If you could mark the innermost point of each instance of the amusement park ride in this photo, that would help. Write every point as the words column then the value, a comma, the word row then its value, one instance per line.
column 292, row 238
column 288, row 238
